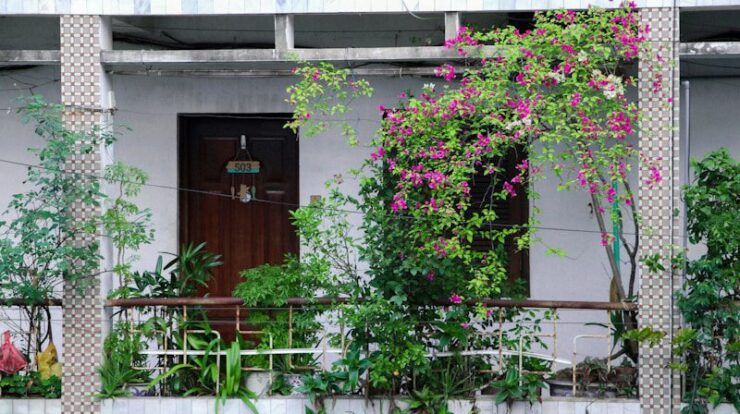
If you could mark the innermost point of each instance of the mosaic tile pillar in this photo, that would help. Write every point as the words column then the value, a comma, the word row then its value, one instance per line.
column 83, row 88
column 659, row 386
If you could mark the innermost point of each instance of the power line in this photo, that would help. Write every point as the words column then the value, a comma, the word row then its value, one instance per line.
column 298, row 205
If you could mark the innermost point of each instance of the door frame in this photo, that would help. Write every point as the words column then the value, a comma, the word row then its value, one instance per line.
column 182, row 163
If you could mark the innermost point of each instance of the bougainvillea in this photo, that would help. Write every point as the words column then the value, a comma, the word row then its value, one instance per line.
column 555, row 93
column 553, row 99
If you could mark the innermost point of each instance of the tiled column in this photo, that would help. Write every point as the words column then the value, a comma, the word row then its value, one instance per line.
column 659, row 387
column 84, row 95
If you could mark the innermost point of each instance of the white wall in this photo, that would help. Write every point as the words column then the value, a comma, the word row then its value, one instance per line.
column 714, row 116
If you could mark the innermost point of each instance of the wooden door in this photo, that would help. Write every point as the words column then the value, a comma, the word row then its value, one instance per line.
column 246, row 235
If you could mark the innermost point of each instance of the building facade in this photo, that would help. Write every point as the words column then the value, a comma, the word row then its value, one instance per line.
column 166, row 67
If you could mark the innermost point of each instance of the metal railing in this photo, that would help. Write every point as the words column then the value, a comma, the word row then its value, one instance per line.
column 132, row 309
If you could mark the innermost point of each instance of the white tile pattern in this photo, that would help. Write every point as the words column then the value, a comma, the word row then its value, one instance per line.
column 218, row 7
column 80, row 87
column 659, row 142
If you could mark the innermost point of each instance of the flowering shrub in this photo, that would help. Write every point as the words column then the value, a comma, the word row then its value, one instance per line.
column 556, row 92
column 554, row 96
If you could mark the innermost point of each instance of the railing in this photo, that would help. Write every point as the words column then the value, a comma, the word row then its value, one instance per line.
column 131, row 310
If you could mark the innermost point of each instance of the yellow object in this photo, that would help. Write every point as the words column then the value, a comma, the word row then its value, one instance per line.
column 47, row 363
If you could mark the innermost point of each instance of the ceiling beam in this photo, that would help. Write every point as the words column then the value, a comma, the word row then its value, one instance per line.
column 29, row 57
column 163, row 58
column 710, row 50
column 236, row 56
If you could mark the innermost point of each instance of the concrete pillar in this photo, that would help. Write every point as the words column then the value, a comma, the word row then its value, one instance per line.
column 452, row 24
column 84, row 94
column 659, row 140
column 284, row 32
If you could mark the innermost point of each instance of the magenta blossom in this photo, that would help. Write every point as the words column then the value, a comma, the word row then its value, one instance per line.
column 445, row 71
column 575, row 100
column 378, row 154
column 456, row 299
column 509, row 188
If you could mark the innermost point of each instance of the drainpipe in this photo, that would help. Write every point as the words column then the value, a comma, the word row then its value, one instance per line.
column 615, row 230
column 686, row 143
column 685, row 174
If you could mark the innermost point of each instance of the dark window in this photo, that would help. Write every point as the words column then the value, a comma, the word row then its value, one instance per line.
column 512, row 211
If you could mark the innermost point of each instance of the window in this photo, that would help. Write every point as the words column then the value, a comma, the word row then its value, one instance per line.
column 512, row 211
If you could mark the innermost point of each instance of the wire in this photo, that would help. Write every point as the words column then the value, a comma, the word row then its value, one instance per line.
column 298, row 205
column 412, row 14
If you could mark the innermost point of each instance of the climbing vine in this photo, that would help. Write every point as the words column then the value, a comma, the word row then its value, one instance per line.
column 554, row 99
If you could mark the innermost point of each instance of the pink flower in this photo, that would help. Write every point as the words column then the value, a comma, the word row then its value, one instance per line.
column 610, row 195
column 440, row 248
column 433, row 204
column 465, row 187
column 316, row 74
column 523, row 166
column 456, row 299
column 575, row 100
column 431, row 275
column 446, row 71
column 655, row 176
column 581, row 177
column 435, row 179
column 509, row 188
column 520, row 79
column 378, row 154
column 594, row 188
column 399, row 203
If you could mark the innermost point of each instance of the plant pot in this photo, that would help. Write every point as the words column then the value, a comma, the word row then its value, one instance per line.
column 295, row 381
column 625, row 375
column 488, row 390
column 562, row 388
column 258, row 383
column 140, row 390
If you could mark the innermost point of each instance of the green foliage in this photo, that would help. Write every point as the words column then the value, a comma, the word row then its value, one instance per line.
column 709, row 298
column 323, row 93
column 270, row 287
column 182, row 276
column 554, row 98
column 30, row 385
column 127, row 225
column 343, row 379
column 36, row 249
column 425, row 401
column 645, row 334
column 121, row 359
column 519, row 387
column 43, row 243
column 316, row 387
column 205, row 374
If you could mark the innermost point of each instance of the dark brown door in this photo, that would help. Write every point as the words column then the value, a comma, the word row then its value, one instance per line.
column 246, row 235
